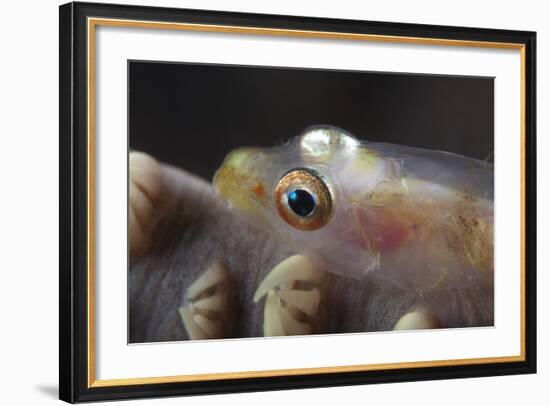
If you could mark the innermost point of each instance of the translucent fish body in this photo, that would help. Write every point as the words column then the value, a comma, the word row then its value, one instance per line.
column 417, row 218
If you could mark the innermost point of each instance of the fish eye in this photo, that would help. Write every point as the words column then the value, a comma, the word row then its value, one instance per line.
column 303, row 199
column 301, row 202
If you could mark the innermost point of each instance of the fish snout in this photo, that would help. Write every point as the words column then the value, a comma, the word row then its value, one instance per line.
column 239, row 183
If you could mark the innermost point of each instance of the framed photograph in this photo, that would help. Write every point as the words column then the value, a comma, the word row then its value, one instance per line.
column 255, row 202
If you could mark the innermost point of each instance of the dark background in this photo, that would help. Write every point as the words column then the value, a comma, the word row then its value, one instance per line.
column 192, row 115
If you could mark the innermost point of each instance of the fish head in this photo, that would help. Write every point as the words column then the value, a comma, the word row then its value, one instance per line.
column 303, row 192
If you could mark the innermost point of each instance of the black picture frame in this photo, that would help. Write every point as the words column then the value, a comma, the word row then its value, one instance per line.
column 74, row 383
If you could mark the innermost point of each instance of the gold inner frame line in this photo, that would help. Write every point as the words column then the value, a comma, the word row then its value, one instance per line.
column 92, row 23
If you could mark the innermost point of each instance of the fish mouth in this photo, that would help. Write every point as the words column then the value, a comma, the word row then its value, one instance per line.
column 239, row 184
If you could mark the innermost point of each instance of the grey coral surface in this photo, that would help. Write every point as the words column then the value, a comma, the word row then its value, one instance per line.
column 197, row 229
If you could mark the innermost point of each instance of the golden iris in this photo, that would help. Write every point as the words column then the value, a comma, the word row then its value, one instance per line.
column 303, row 199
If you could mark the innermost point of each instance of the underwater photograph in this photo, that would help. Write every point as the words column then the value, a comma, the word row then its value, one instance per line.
column 278, row 201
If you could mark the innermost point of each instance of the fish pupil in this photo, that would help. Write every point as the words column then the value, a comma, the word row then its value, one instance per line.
column 301, row 202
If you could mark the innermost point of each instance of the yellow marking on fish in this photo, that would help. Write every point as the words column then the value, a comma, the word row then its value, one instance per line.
column 365, row 160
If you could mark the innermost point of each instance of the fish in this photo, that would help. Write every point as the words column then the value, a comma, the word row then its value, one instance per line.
column 415, row 218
